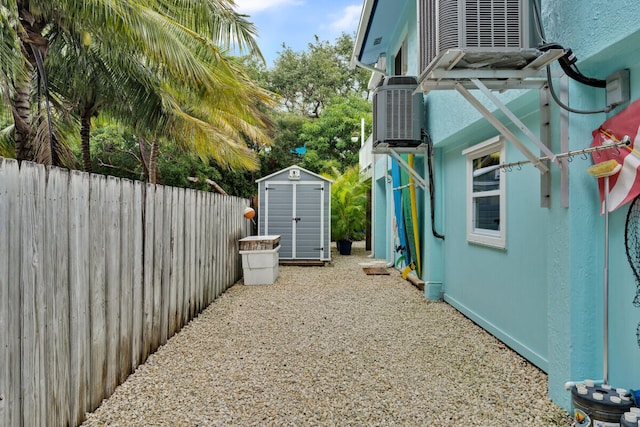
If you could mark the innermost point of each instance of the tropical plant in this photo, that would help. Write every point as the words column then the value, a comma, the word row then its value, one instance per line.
column 349, row 195
column 156, row 65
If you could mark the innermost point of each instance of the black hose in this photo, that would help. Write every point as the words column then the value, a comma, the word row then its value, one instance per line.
column 432, row 187
column 567, row 63
column 566, row 107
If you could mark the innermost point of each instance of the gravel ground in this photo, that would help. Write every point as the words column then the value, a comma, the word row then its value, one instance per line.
column 331, row 346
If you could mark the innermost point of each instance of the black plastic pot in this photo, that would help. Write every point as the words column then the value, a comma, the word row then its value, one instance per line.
column 344, row 247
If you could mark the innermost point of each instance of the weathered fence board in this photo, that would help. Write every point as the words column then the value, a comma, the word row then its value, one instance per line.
column 198, row 253
column 56, row 295
column 148, row 272
column 33, row 302
column 156, row 236
column 187, row 249
column 10, row 334
column 165, row 262
column 126, row 280
column 112, row 283
column 181, row 237
column 5, row 382
column 95, row 274
column 97, row 289
column 174, row 239
column 218, row 227
column 138, row 302
column 208, row 235
column 79, row 314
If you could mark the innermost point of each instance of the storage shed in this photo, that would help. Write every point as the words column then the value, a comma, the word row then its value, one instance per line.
column 296, row 204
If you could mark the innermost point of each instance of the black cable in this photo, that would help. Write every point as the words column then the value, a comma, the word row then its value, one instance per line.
column 567, row 63
column 566, row 107
column 538, row 19
column 432, row 187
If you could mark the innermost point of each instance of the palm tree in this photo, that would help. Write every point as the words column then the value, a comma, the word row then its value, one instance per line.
column 155, row 48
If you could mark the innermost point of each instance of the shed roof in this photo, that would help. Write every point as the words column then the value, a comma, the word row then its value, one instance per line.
column 293, row 167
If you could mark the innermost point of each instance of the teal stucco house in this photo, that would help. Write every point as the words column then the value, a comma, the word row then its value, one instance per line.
column 510, row 225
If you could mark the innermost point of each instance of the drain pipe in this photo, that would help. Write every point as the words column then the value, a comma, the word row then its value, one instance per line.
column 355, row 61
column 392, row 248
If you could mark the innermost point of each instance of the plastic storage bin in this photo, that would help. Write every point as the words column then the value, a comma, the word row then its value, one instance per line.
column 260, row 259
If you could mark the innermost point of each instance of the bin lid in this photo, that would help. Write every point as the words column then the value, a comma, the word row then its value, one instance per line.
column 259, row 242
column 270, row 238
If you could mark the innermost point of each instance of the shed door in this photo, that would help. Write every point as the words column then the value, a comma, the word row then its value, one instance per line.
column 295, row 211
column 279, row 211
column 308, row 227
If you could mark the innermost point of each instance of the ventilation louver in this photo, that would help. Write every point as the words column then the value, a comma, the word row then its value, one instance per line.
column 397, row 112
column 476, row 25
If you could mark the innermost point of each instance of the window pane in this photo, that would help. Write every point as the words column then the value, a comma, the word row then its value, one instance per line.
column 484, row 180
column 487, row 213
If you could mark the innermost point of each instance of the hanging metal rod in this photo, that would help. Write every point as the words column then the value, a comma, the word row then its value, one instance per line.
column 626, row 141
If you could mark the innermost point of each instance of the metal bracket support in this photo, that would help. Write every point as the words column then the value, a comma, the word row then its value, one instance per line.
column 515, row 120
column 501, row 127
column 545, row 137
column 404, row 165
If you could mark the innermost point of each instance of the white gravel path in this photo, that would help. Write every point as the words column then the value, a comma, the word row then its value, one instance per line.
column 331, row 346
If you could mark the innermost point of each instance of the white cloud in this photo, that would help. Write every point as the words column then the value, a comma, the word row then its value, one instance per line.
column 348, row 20
column 254, row 6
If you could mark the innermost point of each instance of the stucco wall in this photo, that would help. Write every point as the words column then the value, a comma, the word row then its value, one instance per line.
column 503, row 290
column 559, row 249
column 543, row 294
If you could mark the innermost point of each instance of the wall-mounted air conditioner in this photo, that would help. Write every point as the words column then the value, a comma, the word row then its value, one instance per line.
column 491, row 25
column 398, row 112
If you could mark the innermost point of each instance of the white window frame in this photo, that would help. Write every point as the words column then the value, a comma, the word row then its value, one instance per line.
column 492, row 238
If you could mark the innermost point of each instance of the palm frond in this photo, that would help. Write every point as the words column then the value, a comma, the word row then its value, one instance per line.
column 218, row 20
column 7, row 144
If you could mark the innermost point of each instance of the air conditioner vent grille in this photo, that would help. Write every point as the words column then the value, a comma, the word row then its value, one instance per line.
column 399, row 80
column 491, row 23
column 449, row 33
column 465, row 24
column 397, row 112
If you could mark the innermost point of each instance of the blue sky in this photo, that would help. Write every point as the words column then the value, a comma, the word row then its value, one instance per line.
column 295, row 22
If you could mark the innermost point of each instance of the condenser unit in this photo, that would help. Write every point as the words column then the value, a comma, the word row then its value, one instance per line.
column 397, row 112
column 487, row 28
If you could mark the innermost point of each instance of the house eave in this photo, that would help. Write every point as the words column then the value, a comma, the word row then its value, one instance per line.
column 362, row 33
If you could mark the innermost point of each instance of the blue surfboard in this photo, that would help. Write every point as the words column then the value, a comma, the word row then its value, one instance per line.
column 404, row 259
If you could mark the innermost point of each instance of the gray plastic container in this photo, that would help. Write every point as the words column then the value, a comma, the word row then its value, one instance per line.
column 596, row 404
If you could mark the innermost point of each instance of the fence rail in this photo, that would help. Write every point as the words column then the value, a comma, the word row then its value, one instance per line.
column 95, row 274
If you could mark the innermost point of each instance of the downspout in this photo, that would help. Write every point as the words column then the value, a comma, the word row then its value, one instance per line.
column 392, row 247
column 355, row 61
column 361, row 35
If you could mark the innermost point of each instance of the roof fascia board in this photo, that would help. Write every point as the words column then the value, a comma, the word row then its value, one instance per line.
column 368, row 10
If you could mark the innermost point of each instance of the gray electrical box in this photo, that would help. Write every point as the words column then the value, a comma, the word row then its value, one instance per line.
column 617, row 88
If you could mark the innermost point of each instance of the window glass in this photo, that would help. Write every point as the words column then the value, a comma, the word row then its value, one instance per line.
column 486, row 178
column 486, row 210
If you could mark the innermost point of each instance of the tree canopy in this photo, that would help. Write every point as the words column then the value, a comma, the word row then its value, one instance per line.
column 159, row 66
column 135, row 87
column 323, row 102
column 307, row 80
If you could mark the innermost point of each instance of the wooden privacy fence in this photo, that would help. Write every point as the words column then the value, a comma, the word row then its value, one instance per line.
column 95, row 274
